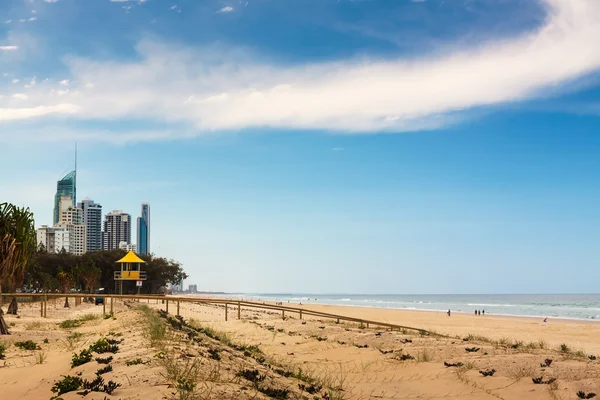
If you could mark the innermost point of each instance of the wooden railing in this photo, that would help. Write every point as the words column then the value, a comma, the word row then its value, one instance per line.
column 226, row 303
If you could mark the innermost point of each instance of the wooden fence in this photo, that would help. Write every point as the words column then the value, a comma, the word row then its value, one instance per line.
column 227, row 304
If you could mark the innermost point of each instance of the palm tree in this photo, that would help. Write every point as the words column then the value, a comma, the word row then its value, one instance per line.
column 65, row 281
column 17, row 244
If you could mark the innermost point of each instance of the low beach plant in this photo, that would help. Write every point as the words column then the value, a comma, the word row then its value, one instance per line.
column 27, row 345
column 2, row 351
column 102, row 371
column 106, row 360
column 104, row 345
column 70, row 324
column 136, row 361
column 40, row 357
column 83, row 357
column 67, row 384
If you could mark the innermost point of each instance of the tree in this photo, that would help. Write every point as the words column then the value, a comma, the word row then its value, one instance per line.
column 65, row 281
column 17, row 245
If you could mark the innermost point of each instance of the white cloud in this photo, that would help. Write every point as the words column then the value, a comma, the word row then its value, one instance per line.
column 22, row 20
column 226, row 9
column 50, row 1
column 223, row 90
column 8, row 21
column 16, row 80
column 20, row 96
column 9, row 48
column 338, row 149
column 64, row 82
column 32, row 19
column 124, row 1
column 11, row 114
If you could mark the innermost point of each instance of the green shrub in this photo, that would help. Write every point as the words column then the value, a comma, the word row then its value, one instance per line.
column 253, row 375
column 2, row 351
column 275, row 393
column 106, row 360
column 70, row 324
column 104, row 346
column 83, row 357
column 27, row 345
column 104, row 370
column 136, row 362
column 67, row 384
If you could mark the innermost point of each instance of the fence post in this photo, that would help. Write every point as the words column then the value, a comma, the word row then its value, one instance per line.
column 367, row 325
column 283, row 314
column 300, row 314
column 45, row 304
column 178, row 308
column 167, row 306
column 225, row 311
column 111, row 305
column 103, row 306
column 42, row 308
column 239, row 311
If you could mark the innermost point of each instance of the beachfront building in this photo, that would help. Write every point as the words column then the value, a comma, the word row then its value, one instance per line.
column 117, row 229
column 71, row 219
column 92, row 218
column 53, row 239
column 143, row 230
column 193, row 288
column 128, row 247
column 64, row 187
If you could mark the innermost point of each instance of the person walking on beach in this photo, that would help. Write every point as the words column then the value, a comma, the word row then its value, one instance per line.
column 475, row 312
column 448, row 312
column 482, row 312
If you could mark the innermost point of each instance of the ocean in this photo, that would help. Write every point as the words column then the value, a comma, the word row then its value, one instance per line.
column 569, row 306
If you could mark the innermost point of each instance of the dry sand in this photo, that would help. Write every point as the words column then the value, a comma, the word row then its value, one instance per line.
column 344, row 357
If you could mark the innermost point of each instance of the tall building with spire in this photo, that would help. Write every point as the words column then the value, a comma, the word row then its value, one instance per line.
column 64, row 187
column 67, row 186
column 143, row 230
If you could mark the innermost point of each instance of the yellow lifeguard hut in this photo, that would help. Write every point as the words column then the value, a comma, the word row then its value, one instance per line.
column 130, row 271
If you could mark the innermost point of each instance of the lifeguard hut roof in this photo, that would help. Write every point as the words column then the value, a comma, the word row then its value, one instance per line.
column 131, row 258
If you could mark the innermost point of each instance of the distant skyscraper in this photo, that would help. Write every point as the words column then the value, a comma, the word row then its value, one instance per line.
column 117, row 229
column 92, row 218
column 54, row 239
column 143, row 230
column 64, row 187
column 71, row 219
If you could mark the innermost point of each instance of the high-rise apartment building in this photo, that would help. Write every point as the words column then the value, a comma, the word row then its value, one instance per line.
column 64, row 187
column 92, row 218
column 117, row 229
column 128, row 247
column 143, row 230
column 54, row 240
column 71, row 219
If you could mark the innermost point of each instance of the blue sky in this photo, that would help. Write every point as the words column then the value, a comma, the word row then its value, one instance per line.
column 320, row 146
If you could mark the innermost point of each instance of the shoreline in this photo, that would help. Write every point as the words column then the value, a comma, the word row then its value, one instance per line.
column 590, row 321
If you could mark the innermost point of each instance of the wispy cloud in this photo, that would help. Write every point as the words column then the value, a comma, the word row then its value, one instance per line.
column 338, row 149
column 9, row 48
column 50, row 1
column 225, row 90
column 226, row 9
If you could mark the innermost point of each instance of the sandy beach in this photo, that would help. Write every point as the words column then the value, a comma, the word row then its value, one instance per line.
column 342, row 361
